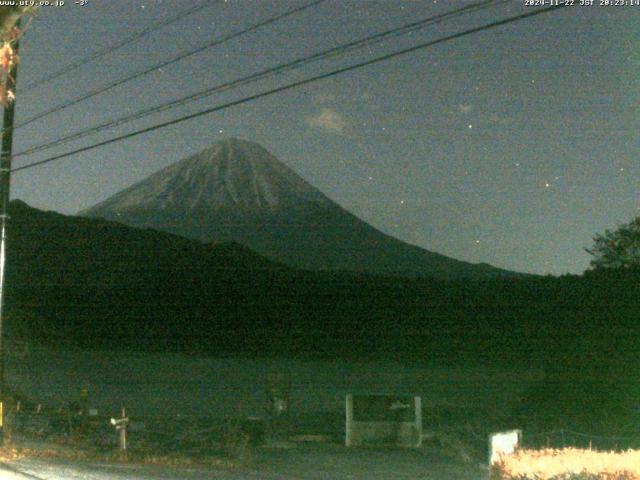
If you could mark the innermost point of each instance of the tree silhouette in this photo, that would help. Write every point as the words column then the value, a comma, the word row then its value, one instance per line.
column 618, row 249
column 9, row 33
column 9, row 16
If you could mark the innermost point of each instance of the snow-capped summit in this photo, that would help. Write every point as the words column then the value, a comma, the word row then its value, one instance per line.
column 237, row 191
column 231, row 174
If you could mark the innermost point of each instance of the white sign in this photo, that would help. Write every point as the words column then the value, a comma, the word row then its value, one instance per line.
column 503, row 443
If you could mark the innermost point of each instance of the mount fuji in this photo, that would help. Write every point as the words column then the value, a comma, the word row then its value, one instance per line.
column 237, row 191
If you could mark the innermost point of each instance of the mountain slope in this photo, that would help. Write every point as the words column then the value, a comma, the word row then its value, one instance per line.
column 237, row 191
column 95, row 283
column 80, row 282
column 75, row 281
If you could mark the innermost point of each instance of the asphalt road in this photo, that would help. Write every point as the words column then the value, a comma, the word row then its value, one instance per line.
column 49, row 469
column 325, row 463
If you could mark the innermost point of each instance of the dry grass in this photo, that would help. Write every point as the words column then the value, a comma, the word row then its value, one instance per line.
column 171, row 460
column 455, row 446
column 10, row 454
column 568, row 463
column 13, row 453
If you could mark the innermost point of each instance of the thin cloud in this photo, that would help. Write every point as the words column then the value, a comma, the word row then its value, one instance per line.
column 328, row 120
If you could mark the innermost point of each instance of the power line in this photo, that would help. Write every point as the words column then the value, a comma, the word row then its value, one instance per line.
column 376, row 38
column 294, row 85
column 332, row 52
column 175, row 59
column 116, row 46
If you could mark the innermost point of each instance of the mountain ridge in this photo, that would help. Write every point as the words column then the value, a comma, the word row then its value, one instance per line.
column 237, row 191
column 204, row 180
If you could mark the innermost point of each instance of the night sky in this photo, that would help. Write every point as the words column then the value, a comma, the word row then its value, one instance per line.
column 513, row 146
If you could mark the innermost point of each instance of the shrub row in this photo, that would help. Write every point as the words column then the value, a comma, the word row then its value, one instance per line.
column 568, row 464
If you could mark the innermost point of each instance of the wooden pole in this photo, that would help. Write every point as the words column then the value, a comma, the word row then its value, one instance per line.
column 5, row 184
column 123, row 431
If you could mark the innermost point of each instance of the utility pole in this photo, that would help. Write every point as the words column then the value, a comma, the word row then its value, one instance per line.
column 5, row 184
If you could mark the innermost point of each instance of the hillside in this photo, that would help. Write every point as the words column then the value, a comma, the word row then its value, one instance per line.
column 99, row 283
column 77, row 282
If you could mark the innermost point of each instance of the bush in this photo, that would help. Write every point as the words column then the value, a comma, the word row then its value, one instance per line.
column 568, row 464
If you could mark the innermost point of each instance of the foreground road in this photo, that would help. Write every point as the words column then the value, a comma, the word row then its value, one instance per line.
column 54, row 469
column 328, row 463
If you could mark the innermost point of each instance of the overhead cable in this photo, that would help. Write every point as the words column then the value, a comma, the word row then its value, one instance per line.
column 279, row 69
column 116, row 46
column 216, row 42
column 295, row 85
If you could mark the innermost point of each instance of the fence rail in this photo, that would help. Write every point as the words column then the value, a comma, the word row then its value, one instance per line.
column 561, row 438
column 189, row 432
